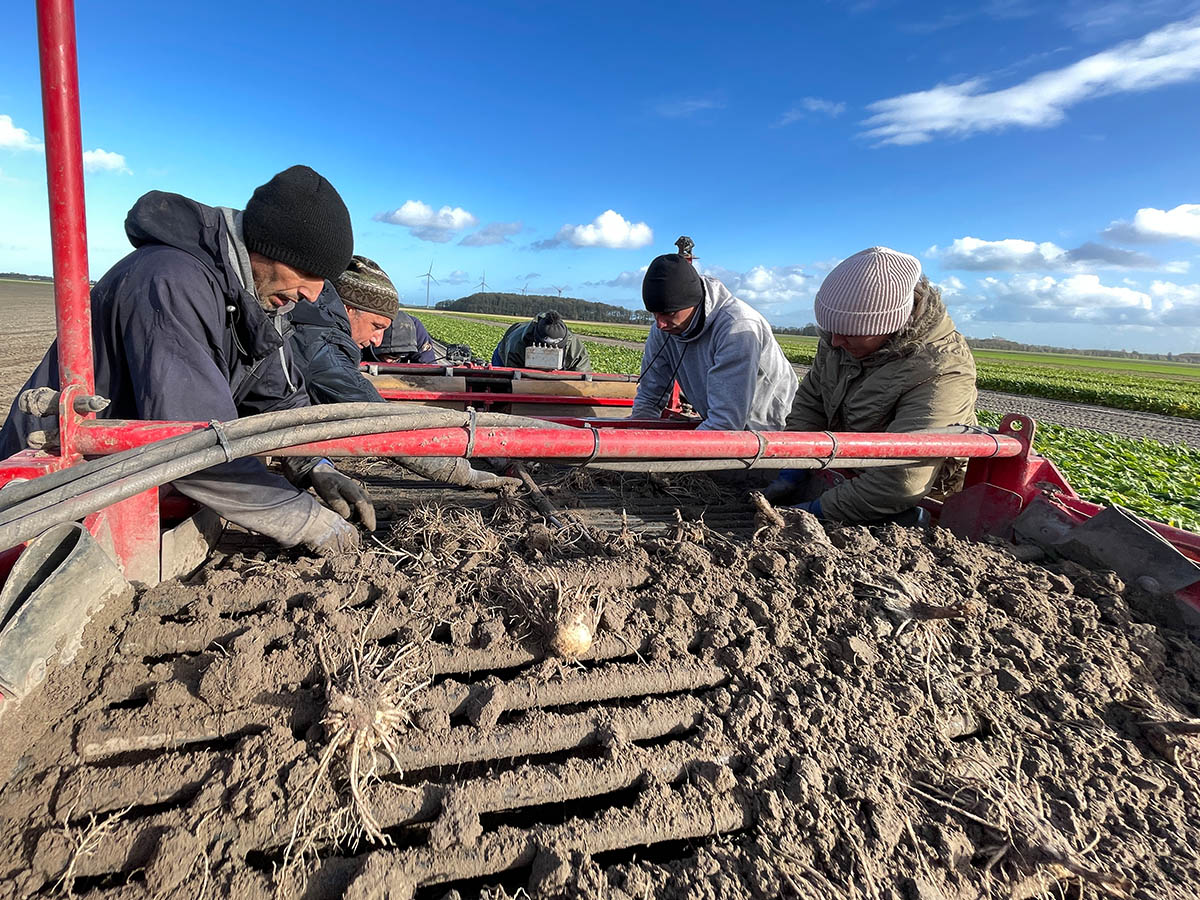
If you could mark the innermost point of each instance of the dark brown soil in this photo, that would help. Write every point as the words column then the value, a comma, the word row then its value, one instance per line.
column 875, row 713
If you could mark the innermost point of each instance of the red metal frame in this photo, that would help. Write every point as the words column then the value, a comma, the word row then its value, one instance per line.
column 485, row 399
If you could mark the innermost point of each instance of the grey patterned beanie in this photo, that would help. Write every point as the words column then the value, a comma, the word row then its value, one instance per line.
column 869, row 293
column 365, row 286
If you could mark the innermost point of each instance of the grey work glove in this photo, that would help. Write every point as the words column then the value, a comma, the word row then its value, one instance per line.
column 329, row 534
column 340, row 492
column 452, row 470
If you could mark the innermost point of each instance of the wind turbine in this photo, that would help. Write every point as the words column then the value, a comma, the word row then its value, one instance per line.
column 483, row 282
column 428, row 276
column 524, row 289
column 557, row 288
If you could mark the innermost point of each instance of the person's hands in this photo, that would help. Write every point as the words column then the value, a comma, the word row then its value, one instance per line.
column 340, row 493
column 786, row 485
column 329, row 534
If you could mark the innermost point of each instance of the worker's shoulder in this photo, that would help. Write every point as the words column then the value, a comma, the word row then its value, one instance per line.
column 163, row 264
column 736, row 313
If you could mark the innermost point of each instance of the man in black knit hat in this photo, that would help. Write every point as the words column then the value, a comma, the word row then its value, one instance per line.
column 189, row 326
column 546, row 329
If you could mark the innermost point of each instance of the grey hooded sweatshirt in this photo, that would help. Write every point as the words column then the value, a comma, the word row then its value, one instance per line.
column 728, row 364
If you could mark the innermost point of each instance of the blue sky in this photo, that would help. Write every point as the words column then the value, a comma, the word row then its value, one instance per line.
column 1040, row 159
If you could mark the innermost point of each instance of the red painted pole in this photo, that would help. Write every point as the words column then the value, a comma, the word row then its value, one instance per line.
column 64, row 176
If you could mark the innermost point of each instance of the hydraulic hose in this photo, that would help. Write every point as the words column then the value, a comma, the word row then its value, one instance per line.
column 168, row 448
column 73, row 501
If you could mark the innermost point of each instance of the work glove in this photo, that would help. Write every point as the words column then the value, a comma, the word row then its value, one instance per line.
column 787, row 484
column 328, row 534
column 812, row 506
column 340, row 492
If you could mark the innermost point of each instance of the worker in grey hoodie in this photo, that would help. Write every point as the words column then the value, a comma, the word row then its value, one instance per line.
column 720, row 350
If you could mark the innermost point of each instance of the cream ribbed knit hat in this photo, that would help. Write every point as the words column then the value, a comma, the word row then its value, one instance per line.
column 869, row 293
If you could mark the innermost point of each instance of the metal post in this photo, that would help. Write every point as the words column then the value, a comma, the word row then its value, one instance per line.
column 64, row 175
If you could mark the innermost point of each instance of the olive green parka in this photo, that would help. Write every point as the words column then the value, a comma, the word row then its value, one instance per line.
column 922, row 379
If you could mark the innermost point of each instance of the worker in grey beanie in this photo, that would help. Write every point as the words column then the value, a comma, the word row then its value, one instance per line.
column 720, row 350
column 889, row 359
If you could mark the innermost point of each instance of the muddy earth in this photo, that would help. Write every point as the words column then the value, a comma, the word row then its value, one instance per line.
column 481, row 705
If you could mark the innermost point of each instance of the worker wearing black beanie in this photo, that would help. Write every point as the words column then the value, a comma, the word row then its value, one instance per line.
column 671, row 284
column 299, row 219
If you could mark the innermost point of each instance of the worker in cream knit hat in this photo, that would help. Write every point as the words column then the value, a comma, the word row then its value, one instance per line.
column 889, row 359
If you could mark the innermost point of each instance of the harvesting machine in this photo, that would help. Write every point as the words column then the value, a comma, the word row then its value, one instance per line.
column 110, row 475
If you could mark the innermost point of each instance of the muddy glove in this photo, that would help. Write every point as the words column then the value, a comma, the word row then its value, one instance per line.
column 340, row 492
column 787, row 484
column 329, row 534
column 453, row 470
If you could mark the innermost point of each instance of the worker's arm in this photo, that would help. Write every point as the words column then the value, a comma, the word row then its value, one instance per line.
column 426, row 352
column 654, row 384
column 333, row 375
column 940, row 402
column 808, row 409
column 173, row 341
column 576, row 357
column 732, row 378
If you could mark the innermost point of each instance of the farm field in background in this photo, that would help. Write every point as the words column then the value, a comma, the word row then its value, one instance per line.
column 1161, row 481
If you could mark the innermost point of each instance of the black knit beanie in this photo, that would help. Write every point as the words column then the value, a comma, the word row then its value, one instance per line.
column 548, row 328
column 671, row 284
column 299, row 219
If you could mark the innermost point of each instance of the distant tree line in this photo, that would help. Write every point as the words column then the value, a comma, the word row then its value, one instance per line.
column 532, row 304
column 20, row 276
column 998, row 343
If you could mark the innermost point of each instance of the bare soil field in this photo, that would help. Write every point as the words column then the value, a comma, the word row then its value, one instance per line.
column 26, row 330
column 765, row 708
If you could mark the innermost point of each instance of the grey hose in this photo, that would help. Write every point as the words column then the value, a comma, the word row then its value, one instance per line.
column 19, row 522
column 169, row 448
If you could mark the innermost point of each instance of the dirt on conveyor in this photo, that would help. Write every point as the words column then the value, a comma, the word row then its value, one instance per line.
column 784, row 710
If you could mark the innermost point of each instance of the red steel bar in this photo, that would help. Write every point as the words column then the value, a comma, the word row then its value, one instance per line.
column 64, row 175
column 111, row 436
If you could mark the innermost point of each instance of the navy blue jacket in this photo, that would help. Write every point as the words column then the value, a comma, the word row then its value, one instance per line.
column 326, row 353
column 177, row 336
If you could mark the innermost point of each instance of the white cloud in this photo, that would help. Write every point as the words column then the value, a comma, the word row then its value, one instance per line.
column 1017, row 255
column 492, row 233
column 458, row 276
column 1167, row 56
column 1179, row 224
column 811, row 105
column 682, row 109
column 609, row 229
column 1082, row 299
column 103, row 161
column 773, row 290
column 428, row 224
column 624, row 280
column 951, row 286
column 14, row 138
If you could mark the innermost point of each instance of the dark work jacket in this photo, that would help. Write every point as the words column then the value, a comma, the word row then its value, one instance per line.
column 177, row 336
column 405, row 341
column 327, row 354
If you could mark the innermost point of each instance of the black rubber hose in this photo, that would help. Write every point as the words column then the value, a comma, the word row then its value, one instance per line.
column 253, row 444
column 82, row 477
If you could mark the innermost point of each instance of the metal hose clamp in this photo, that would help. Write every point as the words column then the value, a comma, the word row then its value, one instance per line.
column 762, row 448
column 222, row 438
column 828, row 461
column 470, row 432
column 595, row 445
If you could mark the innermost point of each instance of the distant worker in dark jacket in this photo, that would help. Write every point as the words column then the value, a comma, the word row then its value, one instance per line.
column 889, row 359
column 722, row 352
column 405, row 341
column 352, row 313
column 546, row 329
column 189, row 326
